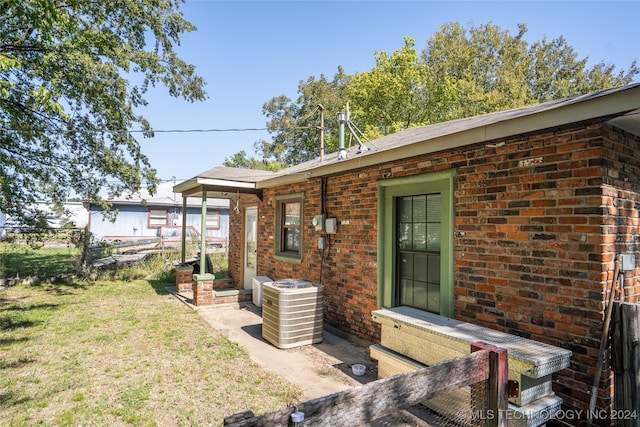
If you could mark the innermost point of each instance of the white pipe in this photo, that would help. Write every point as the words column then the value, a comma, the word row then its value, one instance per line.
column 342, row 152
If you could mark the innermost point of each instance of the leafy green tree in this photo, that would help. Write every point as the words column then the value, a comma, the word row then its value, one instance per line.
column 240, row 160
column 482, row 70
column 296, row 126
column 73, row 74
column 486, row 69
column 392, row 95
column 461, row 72
column 556, row 72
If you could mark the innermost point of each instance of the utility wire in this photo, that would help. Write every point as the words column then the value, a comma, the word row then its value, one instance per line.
column 171, row 130
column 193, row 130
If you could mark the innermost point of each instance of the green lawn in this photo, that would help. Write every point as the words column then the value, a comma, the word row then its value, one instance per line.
column 24, row 261
column 121, row 352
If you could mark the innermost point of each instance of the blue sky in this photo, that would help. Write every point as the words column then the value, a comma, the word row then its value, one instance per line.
column 251, row 51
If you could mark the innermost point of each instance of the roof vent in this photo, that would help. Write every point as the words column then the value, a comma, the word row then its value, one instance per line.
column 342, row 152
column 343, row 119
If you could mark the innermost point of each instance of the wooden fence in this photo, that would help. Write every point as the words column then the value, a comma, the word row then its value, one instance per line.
column 626, row 363
column 372, row 401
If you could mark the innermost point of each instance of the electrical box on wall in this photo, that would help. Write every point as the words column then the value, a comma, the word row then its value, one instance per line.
column 318, row 222
column 627, row 262
column 321, row 243
column 331, row 226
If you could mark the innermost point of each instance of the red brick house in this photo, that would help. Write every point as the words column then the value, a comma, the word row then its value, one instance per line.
column 510, row 221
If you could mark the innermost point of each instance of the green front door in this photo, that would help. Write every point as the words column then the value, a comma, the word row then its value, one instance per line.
column 418, row 244
column 415, row 242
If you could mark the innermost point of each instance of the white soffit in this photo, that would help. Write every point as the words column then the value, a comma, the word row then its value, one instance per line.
column 630, row 122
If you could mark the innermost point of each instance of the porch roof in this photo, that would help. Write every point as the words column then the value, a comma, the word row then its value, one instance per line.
column 223, row 182
column 619, row 106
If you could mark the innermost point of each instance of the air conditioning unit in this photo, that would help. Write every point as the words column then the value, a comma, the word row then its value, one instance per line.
column 256, row 296
column 292, row 313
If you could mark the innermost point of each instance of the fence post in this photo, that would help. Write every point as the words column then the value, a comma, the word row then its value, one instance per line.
column 626, row 362
column 496, row 402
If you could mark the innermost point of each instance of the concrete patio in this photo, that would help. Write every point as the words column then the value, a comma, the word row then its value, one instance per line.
column 319, row 369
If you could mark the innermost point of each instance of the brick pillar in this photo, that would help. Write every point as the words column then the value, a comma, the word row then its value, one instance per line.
column 203, row 289
column 184, row 278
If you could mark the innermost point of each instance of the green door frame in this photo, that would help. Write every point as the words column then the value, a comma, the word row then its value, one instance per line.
column 437, row 182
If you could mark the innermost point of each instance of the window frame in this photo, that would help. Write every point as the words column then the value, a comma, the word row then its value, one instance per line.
column 279, row 251
column 388, row 190
column 151, row 224
column 216, row 218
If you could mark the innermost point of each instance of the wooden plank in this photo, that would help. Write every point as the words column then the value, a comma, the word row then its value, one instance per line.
column 377, row 399
column 452, row 404
column 124, row 259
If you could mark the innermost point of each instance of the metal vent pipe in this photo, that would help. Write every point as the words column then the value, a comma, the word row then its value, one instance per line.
column 342, row 152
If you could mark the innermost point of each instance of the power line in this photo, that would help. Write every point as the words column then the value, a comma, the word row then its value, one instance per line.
column 196, row 130
column 173, row 130
column 217, row 130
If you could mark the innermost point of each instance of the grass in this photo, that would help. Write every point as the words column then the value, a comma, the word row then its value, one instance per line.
column 38, row 263
column 121, row 352
column 18, row 260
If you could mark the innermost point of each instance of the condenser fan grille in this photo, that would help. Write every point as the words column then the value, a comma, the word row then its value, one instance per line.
column 292, row 284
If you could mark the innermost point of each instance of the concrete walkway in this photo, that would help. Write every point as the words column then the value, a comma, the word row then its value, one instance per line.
column 319, row 369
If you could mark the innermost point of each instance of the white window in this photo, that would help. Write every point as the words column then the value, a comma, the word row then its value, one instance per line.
column 158, row 217
column 213, row 220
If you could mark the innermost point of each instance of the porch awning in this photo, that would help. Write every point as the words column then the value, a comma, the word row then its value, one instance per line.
column 224, row 183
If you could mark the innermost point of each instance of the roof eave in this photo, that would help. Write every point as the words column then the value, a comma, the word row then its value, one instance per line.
column 186, row 185
column 617, row 103
column 216, row 188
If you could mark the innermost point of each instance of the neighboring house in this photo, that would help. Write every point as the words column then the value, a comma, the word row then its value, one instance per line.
column 510, row 220
column 75, row 215
column 141, row 216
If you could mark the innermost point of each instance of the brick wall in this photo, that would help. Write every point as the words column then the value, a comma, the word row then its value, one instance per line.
column 531, row 253
column 538, row 221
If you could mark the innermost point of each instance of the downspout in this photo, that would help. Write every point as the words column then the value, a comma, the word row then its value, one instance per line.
column 184, row 230
column 203, row 232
